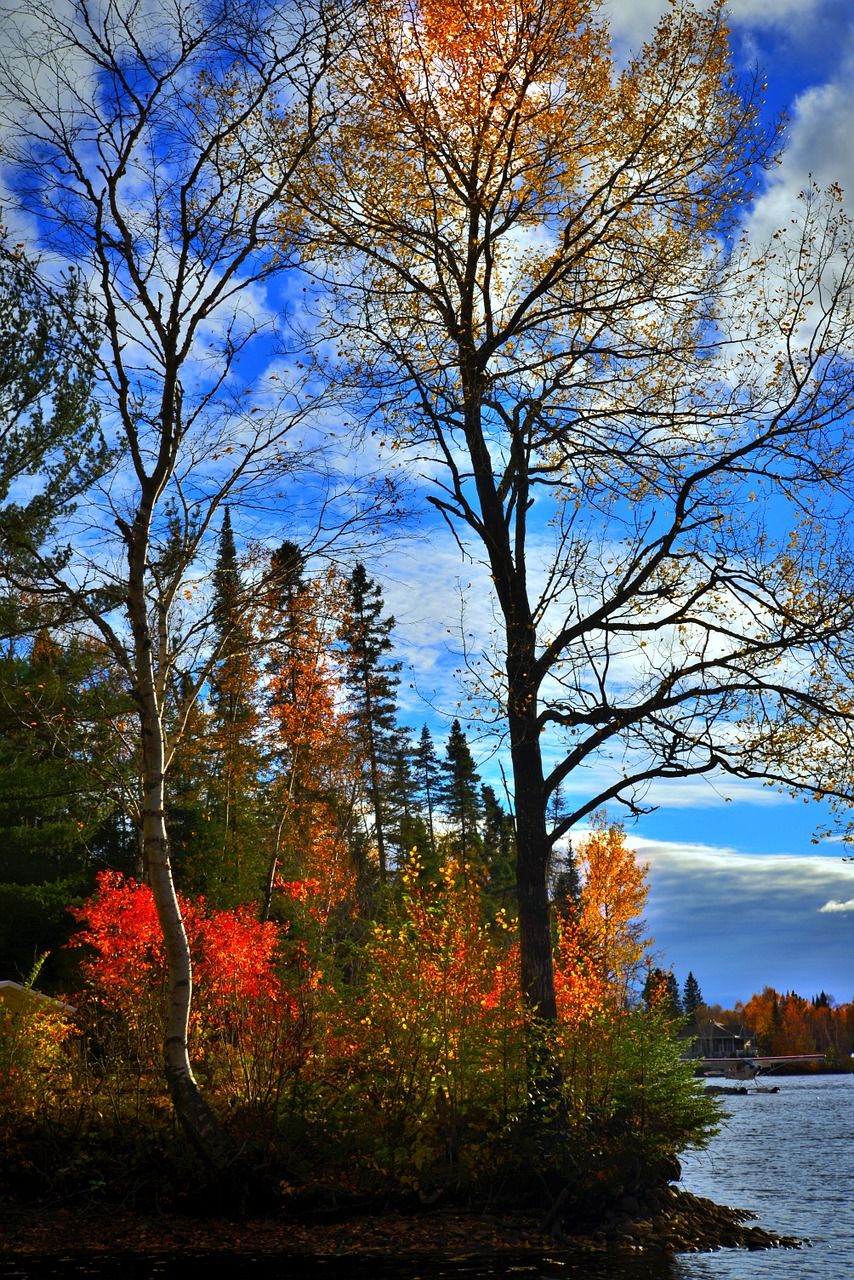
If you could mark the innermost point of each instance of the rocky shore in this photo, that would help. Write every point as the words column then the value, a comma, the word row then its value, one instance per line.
column 675, row 1221
column 667, row 1221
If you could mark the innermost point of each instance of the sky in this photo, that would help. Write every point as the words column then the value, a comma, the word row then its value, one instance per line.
column 739, row 893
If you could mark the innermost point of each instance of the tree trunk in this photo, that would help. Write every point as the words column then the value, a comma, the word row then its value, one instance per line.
column 196, row 1117
column 532, row 846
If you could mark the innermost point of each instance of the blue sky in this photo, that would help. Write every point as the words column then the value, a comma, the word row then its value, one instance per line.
column 739, row 893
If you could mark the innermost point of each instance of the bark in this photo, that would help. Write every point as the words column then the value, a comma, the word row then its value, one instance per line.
column 532, row 864
column 195, row 1116
column 530, row 795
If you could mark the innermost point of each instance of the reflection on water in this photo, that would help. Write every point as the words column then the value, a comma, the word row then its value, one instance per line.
column 788, row 1156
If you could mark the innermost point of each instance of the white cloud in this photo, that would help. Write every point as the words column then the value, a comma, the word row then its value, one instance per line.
column 834, row 906
column 632, row 21
column 743, row 921
column 818, row 150
column 774, row 13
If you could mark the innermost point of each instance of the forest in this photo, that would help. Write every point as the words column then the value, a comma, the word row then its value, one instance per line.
column 358, row 1020
column 773, row 1022
column 279, row 283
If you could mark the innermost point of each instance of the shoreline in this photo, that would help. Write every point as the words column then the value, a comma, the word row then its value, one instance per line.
column 680, row 1222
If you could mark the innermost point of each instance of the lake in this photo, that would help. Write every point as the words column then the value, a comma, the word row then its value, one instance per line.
column 787, row 1156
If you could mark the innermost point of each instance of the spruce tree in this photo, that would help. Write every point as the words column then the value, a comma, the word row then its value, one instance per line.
column 459, row 795
column 407, row 831
column 674, row 1000
column 692, row 997
column 49, row 419
column 567, row 884
column 661, row 987
column 371, row 681
column 499, row 850
column 64, row 777
column 287, row 567
column 235, row 785
column 429, row 774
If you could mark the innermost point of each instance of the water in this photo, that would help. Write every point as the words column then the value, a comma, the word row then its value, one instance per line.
column 787, row 1156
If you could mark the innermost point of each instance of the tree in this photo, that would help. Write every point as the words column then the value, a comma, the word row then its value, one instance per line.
column 313, row 765
column 661, row 990
column 499, row 850
column 62, row 773
column 235, row 731
column 408, row 833
column 428, row 775
column 371, row 681
column 125, row 127
column 692, row 997
column 612, row 901
column 545, row 293
column 459, row 795
column 49, row 420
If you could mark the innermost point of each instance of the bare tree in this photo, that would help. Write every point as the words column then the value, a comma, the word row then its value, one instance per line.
column 636, row 423
column 137, row 138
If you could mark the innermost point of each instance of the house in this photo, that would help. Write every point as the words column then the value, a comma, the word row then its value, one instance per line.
column 714, row 1040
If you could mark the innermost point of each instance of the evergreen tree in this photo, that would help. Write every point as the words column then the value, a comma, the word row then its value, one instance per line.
column 429, row 774
column 287, row 567
column 674, row 999
column 191, row 790
column 371, row 681
column 567, row 884
column 49, row 421
column 64, row 777
column 459, row 795
column 661, row 988
column 406, row 828
column 233, row 635
column 692, row 997
column 499, row 850
column 234, row 830
column 313, row 774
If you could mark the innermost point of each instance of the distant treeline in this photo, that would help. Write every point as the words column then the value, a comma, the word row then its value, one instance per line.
column 788, row 1023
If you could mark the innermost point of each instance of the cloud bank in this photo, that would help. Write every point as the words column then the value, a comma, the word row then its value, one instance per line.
column 742, row 921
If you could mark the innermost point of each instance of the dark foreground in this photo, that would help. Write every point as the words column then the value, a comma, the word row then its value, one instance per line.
column 680, row 1222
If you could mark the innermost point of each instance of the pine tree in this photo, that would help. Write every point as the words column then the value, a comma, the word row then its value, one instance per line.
column 63, row 772
column 407, row 831
column 692, row 997
column 287, row 566
column 567, row 884
column 499, row 850
column 662, row 990
column 371, row 681
column 459, row 795
column 429, row 774
column 49, row 420
column 234, row 833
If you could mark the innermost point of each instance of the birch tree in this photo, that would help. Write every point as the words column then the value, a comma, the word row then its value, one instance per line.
column 135, row 137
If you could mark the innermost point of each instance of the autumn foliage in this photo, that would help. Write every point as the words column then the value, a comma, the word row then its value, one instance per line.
column 252, row 997
column 787, row 1023
column 400, row 1057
